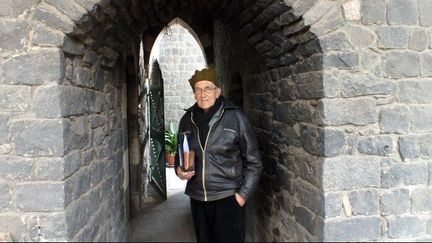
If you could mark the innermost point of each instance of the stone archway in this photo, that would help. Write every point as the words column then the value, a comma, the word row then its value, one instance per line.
column 324, row 87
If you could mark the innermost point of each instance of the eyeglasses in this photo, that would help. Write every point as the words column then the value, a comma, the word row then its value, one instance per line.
column 206, row 90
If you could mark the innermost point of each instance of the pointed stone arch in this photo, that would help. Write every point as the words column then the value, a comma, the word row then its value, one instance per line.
column 180, row 53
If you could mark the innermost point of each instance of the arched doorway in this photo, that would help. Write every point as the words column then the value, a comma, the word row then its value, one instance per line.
column 325, row 134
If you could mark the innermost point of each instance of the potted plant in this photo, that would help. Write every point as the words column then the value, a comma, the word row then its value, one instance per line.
column 171, row 144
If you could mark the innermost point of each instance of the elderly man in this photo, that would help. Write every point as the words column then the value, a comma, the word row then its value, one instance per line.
column 227, row 161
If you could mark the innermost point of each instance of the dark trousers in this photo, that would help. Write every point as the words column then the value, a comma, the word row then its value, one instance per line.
column 219, row 221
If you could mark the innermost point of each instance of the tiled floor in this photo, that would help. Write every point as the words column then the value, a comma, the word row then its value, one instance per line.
column 167, row 221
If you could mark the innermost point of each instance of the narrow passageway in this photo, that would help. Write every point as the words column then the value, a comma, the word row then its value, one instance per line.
column 165, row 221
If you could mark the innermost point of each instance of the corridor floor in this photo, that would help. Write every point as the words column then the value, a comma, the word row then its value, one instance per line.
column 167, row 221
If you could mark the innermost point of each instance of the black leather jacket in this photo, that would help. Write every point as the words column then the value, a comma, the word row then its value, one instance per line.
column 229, row 161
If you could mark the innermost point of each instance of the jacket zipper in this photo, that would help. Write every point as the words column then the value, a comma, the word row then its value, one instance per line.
column 203, row 150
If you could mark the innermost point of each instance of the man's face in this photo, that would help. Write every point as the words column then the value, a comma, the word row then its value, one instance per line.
column 206, row 94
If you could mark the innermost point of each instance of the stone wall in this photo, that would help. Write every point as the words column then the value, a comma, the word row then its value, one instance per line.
column 179, row 55
column 63, row 130
column 347, row 158
column 336, row 90
column 377, row 186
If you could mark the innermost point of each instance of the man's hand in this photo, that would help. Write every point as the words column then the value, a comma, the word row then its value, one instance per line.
column 184, row 175
column 240, row 200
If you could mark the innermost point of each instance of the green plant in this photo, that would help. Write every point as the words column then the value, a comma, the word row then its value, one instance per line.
column 171, row 140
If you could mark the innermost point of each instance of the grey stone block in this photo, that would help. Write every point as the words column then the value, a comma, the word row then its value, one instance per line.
column 111, row 97
column 99, row 81
column 313, row 223
column 15, row 8
column 425, row 12
column 311, row 198
column 344, row 111
column 333, row 205
column 402, row 12
column 287, row 90
column 331, row 84
column 90, row 57
column 15, row 224
column 420, row 117
column 84, row 77
column 13, row 34
column 4, row 128
column 425, row 143
column 16, row 70
column 372, row 61
column 5, row 196
column 409, row 147
column 94, row 199
column 70, row 8
column 108, row 53
column 426, row 64
column 15, row 168
column 83, row 177
column 50, row 226
column 347, row 173
column 335, row 41
column 97, row 120
column 401, row 64
column 77, row 217
column 88, row 156
column 419, row 39
column 334, row 142
column 15, row 98
column 407, row 225
column 364, row 202
column 98, row 136
column 94, row 102
column 360, row 84
column 395, row 201
column 49, row 168
column 379, row 145
column 394, row 119
column 309, row 85
column 72, row 162
column 54, row 19
column 404, row 175
column 324, row 142
column 331, row 21
column 43, row 196
column 43, row 36
column 422, row 200
column 38, row 137
column 353, row 229
column 77, row 134
column 293, row 111
column 392, row 37
column 59, row 101
column 344, row 60
column 360, row 38
column 73, row 47
column 415, row 91
column 373, row 12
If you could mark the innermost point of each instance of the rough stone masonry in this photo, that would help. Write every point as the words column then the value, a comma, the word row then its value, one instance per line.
column 337, row 91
